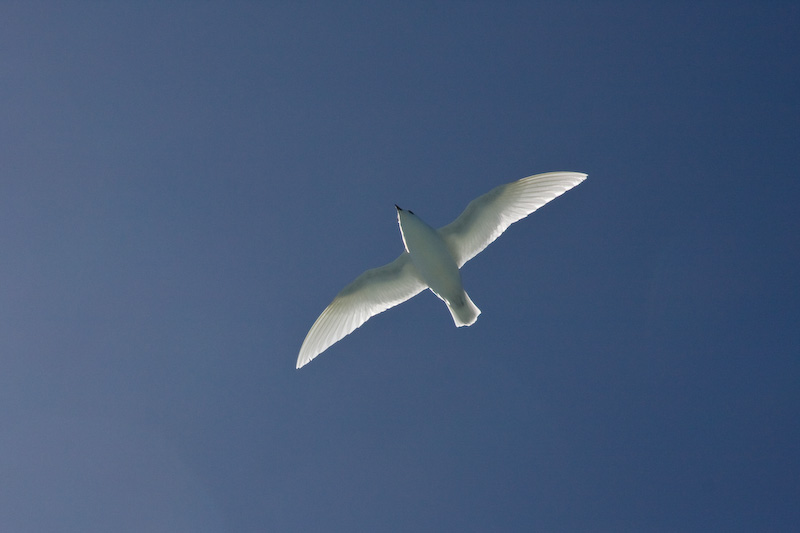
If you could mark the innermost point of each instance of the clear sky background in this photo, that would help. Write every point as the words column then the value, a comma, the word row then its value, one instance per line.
column 184, row 187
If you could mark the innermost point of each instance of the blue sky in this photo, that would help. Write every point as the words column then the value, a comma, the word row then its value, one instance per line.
column 185, row 186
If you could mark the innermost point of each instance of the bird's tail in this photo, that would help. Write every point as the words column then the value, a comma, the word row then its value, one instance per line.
column 464, row 312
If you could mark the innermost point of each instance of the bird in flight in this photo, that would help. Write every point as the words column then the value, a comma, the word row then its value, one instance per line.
column 432, row 258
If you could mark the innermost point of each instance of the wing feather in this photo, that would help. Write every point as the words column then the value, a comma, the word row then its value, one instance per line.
column 488, row 216
column 371, row 293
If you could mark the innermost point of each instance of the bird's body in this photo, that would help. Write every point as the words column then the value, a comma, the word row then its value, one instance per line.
column 432, row 259
column 436, row 266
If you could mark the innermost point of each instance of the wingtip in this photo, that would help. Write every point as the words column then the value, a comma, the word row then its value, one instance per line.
column 581, row 175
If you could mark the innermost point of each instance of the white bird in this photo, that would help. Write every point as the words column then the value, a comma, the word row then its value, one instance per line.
column 432, row 258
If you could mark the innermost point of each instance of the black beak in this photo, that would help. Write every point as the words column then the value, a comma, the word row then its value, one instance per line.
column 398, row 207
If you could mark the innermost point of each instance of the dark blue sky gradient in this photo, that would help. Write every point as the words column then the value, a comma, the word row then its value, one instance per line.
column 185, row 186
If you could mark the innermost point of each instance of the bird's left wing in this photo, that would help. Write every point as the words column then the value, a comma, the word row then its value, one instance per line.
column 488, row 216
column 371, row 293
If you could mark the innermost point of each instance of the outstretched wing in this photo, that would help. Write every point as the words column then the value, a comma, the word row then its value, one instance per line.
column 488, row 216
column 371, row 293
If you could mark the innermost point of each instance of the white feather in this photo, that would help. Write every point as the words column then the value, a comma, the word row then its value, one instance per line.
column 488, row 216
column 371, row 293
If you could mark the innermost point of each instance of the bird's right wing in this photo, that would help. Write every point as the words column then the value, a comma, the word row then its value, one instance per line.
column 488, row 216
column 371, row 293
